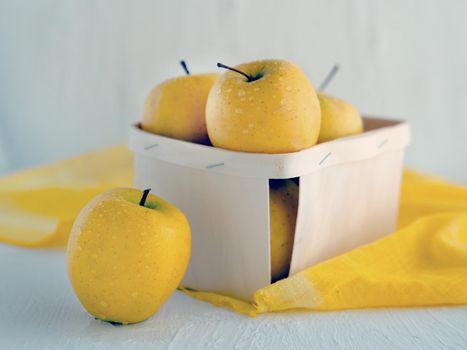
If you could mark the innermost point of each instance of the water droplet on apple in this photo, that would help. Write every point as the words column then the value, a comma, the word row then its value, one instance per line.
column 256, row 89
column 241, row 93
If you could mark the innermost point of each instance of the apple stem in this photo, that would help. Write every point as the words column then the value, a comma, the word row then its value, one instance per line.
column 248, row 77
column 329, row 77
column 185, row 67
column 145, row 196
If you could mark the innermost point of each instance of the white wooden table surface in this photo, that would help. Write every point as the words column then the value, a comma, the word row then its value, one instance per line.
column 38, row 310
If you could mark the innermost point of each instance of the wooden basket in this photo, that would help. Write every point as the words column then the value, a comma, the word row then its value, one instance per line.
column 348, row 196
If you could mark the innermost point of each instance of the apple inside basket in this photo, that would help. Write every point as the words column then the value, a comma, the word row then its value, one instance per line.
column 348, row 196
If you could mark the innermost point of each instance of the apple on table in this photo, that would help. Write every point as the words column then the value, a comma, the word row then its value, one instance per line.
column 127, row 253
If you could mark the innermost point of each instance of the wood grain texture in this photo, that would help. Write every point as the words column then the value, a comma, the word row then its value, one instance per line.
column 38, row 310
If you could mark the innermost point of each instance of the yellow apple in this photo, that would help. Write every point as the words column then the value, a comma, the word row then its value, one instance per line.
column 266, row 106
column 176, row 108
column 126, row 254
column 338, row 118
column 283, row 203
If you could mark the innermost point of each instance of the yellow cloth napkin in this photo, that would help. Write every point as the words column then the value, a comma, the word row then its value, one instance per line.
column 423, row 263
column 38, row 206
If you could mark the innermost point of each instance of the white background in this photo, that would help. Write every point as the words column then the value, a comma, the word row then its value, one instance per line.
column 74, row 74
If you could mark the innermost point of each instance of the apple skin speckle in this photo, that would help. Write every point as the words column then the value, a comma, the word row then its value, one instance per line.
column 281, row 103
